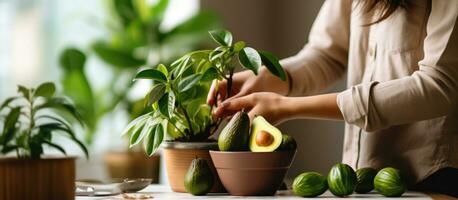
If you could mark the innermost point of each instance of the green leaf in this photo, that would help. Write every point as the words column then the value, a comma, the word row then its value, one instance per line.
column 250, row 59
column 8, row 148
column 72, row 59
column 125, row 10
column 188, row 82
column 58, row 127
column 167, row 104
column 222, row 37
column 151, row 74
column 272, row 64
column 239, row 46
column 154, row 139
column 131, row 126
column 139, row 135
column 155, row 94
column 171, row 103
column 9, row 127
column 210, row 74
column 60, row 104
column 55, row 146
column 162, row 68
column 137, row 130
column 159, row 9
column 116, row 57
column 25, row 91
column 46, row 90
column 7, row 102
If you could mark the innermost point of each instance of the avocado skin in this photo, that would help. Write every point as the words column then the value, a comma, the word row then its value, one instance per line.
column 235, row 135
column 199, row 178
column 288, row 143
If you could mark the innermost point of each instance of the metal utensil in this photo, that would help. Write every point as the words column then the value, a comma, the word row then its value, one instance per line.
column 108, row 188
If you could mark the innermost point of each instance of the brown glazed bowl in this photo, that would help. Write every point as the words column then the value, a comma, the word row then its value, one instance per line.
column 247, row 173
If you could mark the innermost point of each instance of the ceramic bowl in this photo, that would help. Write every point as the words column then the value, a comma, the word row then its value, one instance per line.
column 247, row 173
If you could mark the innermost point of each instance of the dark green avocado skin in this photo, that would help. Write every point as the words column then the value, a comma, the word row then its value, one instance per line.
column 199, row 178
column 236, row 134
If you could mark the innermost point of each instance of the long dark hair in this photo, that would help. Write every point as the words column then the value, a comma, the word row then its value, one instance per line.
column 386, row 7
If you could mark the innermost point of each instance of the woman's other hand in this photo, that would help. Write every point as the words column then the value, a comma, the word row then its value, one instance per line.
column 246, row 82
column 268, row 104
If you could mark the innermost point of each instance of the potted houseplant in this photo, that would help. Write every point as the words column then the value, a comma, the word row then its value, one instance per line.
column 29, row 122
column 135, row 38
column 180, row 115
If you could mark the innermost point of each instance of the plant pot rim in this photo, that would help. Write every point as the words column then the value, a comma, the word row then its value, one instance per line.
column 43, row 158
column 250, row 152
column 190, row 145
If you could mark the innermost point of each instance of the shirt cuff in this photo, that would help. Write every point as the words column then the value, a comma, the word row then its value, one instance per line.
column 354, row 104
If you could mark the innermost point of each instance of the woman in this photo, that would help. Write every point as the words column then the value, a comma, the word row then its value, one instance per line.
column 400, row 108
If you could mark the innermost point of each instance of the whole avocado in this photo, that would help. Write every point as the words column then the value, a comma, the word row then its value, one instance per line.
column 288, row 143
column 342, row 180
column 199, row 178
column 365, row 178
column 310, row 184
column 389, row 182
column 235, row 135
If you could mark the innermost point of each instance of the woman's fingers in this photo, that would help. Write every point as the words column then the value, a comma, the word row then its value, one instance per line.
column 217, row 92
column 233, row 105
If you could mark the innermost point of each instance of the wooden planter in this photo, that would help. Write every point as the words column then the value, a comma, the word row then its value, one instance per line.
column 46, row 178
column 132, row 165
column 178, row 157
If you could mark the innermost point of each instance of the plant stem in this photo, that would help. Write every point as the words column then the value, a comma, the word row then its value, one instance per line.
column 229, row 84
column 187, row 119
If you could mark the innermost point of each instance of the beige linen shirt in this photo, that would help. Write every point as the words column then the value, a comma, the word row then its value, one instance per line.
column 400, row 107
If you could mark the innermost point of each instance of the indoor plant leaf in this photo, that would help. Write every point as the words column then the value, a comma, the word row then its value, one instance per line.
column 162, row 68
column 60, row 103
column 155, row 94
column 272, row 64
column 72, row 59
column 137, row 136
column 131, row 126
column 154, row 139
column 188, row 82
column 9, row 127
column 250, row 59
column 151, row 74
column 222, row 37
column 210, row 74
column 116, row 57
column 167, row 104
column 45, row 90
column 56, row 146
column 25, row 92
column 7, row 102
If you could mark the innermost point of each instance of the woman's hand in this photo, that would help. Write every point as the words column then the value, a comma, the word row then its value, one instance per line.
column 267, row 104
column 244, row 83
column 277, row 108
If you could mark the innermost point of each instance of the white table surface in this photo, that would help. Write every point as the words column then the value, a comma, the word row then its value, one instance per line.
column 163, row 192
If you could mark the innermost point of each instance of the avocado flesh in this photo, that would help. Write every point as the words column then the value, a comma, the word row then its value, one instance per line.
column 235, row 135
column 258, row 143
column 199, row 178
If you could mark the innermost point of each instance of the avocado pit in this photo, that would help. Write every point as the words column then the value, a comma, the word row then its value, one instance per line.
column 264, row 138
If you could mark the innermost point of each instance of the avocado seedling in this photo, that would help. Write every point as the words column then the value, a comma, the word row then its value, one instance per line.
column 178, row 95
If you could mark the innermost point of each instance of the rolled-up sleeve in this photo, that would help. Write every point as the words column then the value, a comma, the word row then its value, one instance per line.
column 429, row 92
column 324, row 59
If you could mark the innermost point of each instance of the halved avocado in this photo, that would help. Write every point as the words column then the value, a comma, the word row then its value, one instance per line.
column 264, row 137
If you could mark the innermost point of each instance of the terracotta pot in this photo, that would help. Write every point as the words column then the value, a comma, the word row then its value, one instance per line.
column 132, row 165
column 46, row 178
column 252, row 173
column 178, row 157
